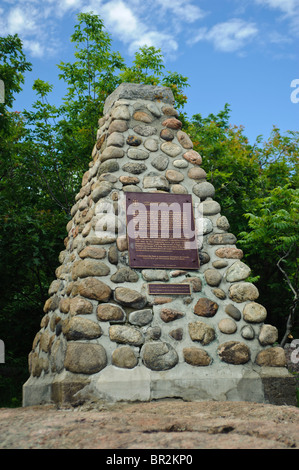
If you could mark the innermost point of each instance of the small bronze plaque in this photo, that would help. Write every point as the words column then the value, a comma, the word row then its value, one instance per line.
column 161, row 231
column 169, row 289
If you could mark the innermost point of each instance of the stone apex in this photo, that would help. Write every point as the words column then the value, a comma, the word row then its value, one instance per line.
column 135, row 91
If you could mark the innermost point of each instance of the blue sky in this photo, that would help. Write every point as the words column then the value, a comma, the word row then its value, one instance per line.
column 240, row 52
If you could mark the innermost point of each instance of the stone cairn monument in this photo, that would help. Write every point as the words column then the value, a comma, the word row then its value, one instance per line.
column 137, row 319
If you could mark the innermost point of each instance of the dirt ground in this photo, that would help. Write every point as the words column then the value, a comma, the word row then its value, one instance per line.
column 165, row 424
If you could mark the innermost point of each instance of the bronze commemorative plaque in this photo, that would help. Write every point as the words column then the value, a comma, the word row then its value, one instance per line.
column 169, row 289
column 161, row 231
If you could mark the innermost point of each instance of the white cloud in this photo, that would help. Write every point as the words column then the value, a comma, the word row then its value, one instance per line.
column 286, row 6
column 229, row 36
column 183, row 9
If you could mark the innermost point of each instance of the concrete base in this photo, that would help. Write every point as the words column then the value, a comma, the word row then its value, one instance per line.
column 232, row 383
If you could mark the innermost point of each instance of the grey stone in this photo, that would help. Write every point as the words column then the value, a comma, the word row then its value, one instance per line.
column 144, row 130
column 121, row 112
column 155, row 275
column 115, row 139
column 178, row 189
column 153, row 108
column 153, row 333
column 233, row 312
column 134, row 168
column 126, row 335
column 110, row 153
column 137, row 154
column 219, row 264
column 103, row 189
column 135, row 91
column 125, row 274
column 222, row 239
column 141, row 317
column 151, row 144
column 173, row 150
column 247, row 332
column 222, row 223
column 160, row 162
column 109, row 166
column 155, row 182
column 238, row 271
column 159, row 356
column 132, row 188
column 180, row 163
column 197, row 173
column 210, row 207
column 204, row 190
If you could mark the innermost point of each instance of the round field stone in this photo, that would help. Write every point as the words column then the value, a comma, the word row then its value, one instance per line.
column 184, row 140
column 172, row 123
column 172, row 150
column 268, row 335
column 94, row 252
column 130, row 297
column 111, row 153
column 238, row 271
column 138, row 154
column 115, row 139
column 155, row 182
column 118, row 126
column 151, row 144
column 180, row 163
column 222, row 223
column 143, row 117
column 92, row 288
column 134, row 168
column 145, row 131
column 174, row 176
column 242, row 291
column 167, row 134
column 85, row 358
column 197, row 173
column 169, row 314
column 233, row 312
column 89, row 267
column 254, row 313
column 205, row 308
column 203, row 190
column 272, row 357
column 247, row 332
column 81, row 328
column 80, row 306
column 109, row 166
column 213, row 277
column 134, row 140
column 110, row 312
column 121, row 112
column 210, row 207
column 178, row 189
column 125, row 274
column 222, row 239
column 160, row 162
column 124, row 357
column 229, row 252
column 193, row 157
column 202, row 332
column 196, row 356
column 159, row 356
column 141, row 317
column 126, row 334
column 227, row 326
column 177, row 334
column 234, row 352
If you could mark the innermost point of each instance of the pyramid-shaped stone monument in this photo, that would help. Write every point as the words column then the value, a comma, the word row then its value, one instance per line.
column 151, row 299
